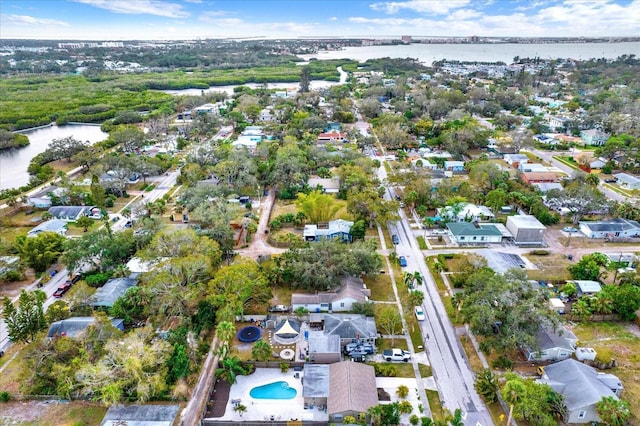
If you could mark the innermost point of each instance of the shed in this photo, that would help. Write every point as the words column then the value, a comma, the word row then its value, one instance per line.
column 526, row 229
column 587, row 287
column 556, row 305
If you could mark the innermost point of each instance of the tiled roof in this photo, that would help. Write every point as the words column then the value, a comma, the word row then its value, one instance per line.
column 352, row 387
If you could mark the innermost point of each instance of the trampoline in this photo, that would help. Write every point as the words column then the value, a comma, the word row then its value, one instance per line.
column 249, row 334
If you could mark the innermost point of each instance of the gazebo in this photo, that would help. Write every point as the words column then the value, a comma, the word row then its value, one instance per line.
column 287, row 331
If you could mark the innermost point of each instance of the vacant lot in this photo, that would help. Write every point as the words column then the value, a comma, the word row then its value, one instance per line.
column 552, row 267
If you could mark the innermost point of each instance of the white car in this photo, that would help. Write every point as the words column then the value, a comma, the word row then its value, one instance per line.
column 419, row 313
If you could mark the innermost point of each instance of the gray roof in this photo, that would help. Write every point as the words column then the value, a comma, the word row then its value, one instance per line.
column 111, row 291
column 561, row 338
column 72, row 327
column 141, row 415
column 352, row 387
column 580, row 384
column 351, row 287
column 626, row 178
column 613, row 225
column 323, row 343
column 548, row 186
column 316, row 381
column 69, row 211
column 479, row 229
column 350, row 326
column 54, row 225
column 587, row 286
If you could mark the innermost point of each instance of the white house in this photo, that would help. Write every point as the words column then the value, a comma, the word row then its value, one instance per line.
column 42, row 198
column 328, row 185
column 474, row 233
column 54, row 225
column 625, row 180
column 582, row 387
column 515, row 159
column 613, row 228
column 352, row 290
column 552, row 345
column 594, row 137
column 465, row 212
column 532, row 167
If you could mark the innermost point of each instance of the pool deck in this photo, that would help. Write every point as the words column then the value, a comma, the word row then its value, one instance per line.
column 263, row 409
column 287, row 409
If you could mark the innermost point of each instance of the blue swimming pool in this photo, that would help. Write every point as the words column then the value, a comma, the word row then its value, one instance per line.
column 275, row 390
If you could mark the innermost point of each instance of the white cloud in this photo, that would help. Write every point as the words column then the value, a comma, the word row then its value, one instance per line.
column 140, row 7
column 333, row 18
column 420, row 6
column 30, row 20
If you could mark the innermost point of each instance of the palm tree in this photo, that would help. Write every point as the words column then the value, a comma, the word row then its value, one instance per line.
column 513, row 392
column 416, row 297
column 580, row 310
column 225, row 332
column 603, row 305
column 240, row 409
column 261, row 350
column 229, row 369
column 456, row 419
column 612, row 411
column 375, row 413
column 409, row 279
column 487, row 385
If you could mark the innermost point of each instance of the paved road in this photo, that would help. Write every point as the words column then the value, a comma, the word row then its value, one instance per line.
column 450, row 366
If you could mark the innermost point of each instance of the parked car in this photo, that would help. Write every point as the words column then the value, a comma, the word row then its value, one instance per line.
column 395, row 239
column 569, row 229
column 62, row 289
column 352, row 347
column 403, row 261
column 129, row 224
column 279, row 308
column 396, row 355
column 420, row 316
column 75, row 278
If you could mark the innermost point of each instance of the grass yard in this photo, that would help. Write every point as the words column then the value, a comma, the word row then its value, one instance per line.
column 437, row 413
column 281, row 295
column 398, row 328
column 421, row 243
column 552, row 267
column 53, row 413
column 380, row 287
column 384, row 344
column 472, row 355
column 622, row 342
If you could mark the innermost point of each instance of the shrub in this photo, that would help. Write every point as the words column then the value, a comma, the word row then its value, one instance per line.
column 385, row 370
column 402, row 391
column 503, row 363
column 541, row 252
column 97, row 279
column 443, row 261
column 5, row 396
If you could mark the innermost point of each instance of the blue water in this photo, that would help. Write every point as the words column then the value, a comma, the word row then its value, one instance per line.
column 275, row 390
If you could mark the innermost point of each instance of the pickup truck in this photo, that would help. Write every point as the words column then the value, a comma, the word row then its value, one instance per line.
column 366, row 348
column 396, row 355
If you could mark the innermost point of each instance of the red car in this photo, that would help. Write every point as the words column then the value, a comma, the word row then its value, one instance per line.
column 62, row 289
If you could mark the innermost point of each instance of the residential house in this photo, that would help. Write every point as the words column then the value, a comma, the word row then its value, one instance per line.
column 324, row 349
column 466, row 233
column 250, row 137
column 582, row 387
column 351, row 290
column 141, row 415
column 539, row 177
column 612, row 228
column 587, row 287
column 627, row 181
column 552, row 345
column 72, row 327
column 514, row 160
column 350, row 327
column 532, row 167
column 557, row 122
column 594, row 137
column 352, row 390
column 107, row 295
column 331, row 137
column 54, row 225
column 526, row 229
column 546, row 139
column 328, row 185
column 72, row 213
column 334, row 229
column 43, row 198
column 548, row 186
column 465, row 212
column 315, row 386
column 597, row 164
column 454, row 166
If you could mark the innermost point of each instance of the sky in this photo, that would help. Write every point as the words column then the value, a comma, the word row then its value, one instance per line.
column 192, row 19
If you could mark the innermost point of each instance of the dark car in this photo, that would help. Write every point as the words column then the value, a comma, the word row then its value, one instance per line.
column 75, row 278
column 395, row 239
column 403, row 261
column 128, row 224
column 62, row 289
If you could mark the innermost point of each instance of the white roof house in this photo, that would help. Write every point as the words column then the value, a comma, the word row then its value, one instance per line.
column 628, row 181
column 54, row 225
column 587, row 286
column 329, row 185
column 339, row 228
column 465, row 212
